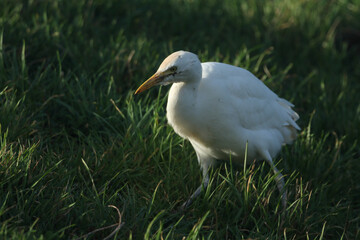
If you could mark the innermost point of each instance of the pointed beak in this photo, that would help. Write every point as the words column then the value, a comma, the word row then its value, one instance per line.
column 152, row 81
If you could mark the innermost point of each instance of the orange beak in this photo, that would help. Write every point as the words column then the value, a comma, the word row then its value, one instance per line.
column 152, row 81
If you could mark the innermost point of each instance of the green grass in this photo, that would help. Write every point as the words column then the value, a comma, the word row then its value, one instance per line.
column 74, row 139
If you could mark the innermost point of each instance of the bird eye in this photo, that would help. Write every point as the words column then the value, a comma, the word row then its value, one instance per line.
column 173, row 69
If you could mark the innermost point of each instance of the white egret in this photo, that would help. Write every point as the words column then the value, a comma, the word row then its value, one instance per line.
column 220, row 109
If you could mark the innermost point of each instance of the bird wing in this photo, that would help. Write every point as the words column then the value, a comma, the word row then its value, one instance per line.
column 253, row 105
column 257, row 106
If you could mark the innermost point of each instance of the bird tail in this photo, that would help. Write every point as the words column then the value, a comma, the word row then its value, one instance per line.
column 290, row 125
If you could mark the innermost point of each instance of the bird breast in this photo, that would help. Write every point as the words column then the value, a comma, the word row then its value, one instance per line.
column 182, row 111
column 198, row 114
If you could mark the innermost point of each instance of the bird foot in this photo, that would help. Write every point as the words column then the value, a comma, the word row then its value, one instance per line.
column 186, row 204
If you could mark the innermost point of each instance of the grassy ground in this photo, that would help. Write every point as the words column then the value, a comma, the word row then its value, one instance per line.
column 75, row 140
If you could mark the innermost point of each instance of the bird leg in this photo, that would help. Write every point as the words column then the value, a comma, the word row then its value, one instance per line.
column 197, row 192
column 279, row 178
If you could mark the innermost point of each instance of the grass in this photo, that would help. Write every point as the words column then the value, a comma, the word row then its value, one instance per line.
column 74, row 140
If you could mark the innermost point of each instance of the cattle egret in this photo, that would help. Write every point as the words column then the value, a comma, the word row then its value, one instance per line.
column 222, row 110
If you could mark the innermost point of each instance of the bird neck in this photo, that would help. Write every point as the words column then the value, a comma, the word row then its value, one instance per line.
column 194, row 75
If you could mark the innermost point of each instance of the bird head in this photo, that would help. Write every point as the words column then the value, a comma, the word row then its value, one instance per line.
column 180, row 66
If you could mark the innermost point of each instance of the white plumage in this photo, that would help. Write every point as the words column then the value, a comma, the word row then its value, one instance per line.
column 220, row 108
